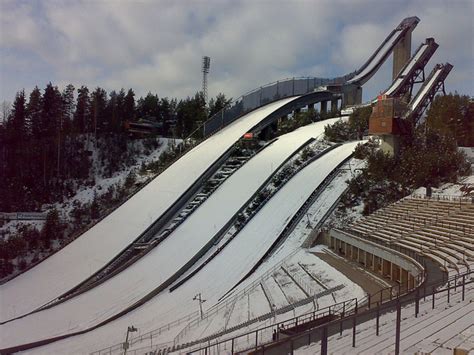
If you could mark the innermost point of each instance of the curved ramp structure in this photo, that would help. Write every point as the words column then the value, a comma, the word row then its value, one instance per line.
column 146, row 278
column 348, row 84
column 431, row 86
column 225, row 270
column 96, row 247
column 383, row 52
column 403, row 83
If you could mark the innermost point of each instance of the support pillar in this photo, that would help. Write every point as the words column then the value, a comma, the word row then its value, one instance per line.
column 334, row 105
column 401, row 54
column 386, row 268
column 352, row 95
column 404, row 278
column 324, row 106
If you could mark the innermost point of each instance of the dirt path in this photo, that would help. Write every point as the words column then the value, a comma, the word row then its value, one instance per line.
column 369, row 282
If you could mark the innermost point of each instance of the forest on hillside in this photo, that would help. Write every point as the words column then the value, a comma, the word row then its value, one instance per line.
column 47, row 138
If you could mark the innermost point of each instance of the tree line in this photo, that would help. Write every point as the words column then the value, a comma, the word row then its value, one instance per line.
column 48, row 138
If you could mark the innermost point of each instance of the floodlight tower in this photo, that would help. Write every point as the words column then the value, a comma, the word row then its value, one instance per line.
column 206, row 64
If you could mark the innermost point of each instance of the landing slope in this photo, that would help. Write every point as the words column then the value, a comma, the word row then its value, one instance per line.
column 213, row 280
column 100, row 244
column 142, row 277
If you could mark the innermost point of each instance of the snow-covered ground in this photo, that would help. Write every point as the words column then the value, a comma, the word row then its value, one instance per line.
column 106, row 239
column 228, row 267
column 85, row 194
column 438, row 331
column 142, row 277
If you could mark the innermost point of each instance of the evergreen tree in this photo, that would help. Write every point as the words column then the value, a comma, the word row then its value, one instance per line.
column 82, row 112
column 148, row 107
column 17, row 136
column 453, row 114
column 53, row 228
column 68, row 104
column 98, row 111
column 17, row 122
column 51, row 111
column 217, row 104
column 33, row 110
column 129, row 106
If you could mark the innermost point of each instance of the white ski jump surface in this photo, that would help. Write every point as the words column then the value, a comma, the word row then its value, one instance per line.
column 407, row 69
column 96, row 247
column 156, row 267
column 212, row 281
column 424, row 90
column 377, row 58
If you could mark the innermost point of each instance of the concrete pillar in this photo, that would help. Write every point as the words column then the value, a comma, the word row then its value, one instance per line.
column 401, row 54
column 386, row 268
column 334, row 105
column 324, row 106
column 404, row 278
column 352, row 95
column 395, row 272
column 377, row 265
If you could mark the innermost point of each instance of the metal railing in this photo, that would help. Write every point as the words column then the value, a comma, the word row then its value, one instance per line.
column 266, row 94
column 320, row 333
column 267, row 334
column 147, row 336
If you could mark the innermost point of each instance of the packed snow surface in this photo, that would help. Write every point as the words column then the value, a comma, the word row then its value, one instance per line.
column 377, row 58
column 424, row 89
column 439, row 331
column 212, row 282
column 95, row 248
column 157, row 266
column 407, row 69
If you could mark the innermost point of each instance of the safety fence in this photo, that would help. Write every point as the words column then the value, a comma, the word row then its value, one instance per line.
column 371, row 307
column 266, row 94
column 363, row 314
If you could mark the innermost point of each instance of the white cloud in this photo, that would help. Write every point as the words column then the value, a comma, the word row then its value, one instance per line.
column 157, row 45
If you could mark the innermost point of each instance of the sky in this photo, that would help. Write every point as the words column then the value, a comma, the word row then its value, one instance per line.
column 157, row 46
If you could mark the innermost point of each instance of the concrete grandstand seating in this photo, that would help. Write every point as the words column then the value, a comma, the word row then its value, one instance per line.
column 440, row 230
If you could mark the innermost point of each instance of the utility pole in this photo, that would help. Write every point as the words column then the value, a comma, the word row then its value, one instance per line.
column 130, row 329
column 201, row 301
column 206, row 64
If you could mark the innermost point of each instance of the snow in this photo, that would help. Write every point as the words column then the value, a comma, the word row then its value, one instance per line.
column 224, row 270
column 417, row 56
column 407, row 69
column 106, row 239
column 377, row 58
column 424, row 89
column 438, row 331
column 119, row 292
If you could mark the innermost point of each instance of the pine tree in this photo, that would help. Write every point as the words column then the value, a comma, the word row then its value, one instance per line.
column 17, row 134
column 82, row 112
column 97, row 118
column 33, row 110
column 68, row 104
column 129, row 106
column 217, row 104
